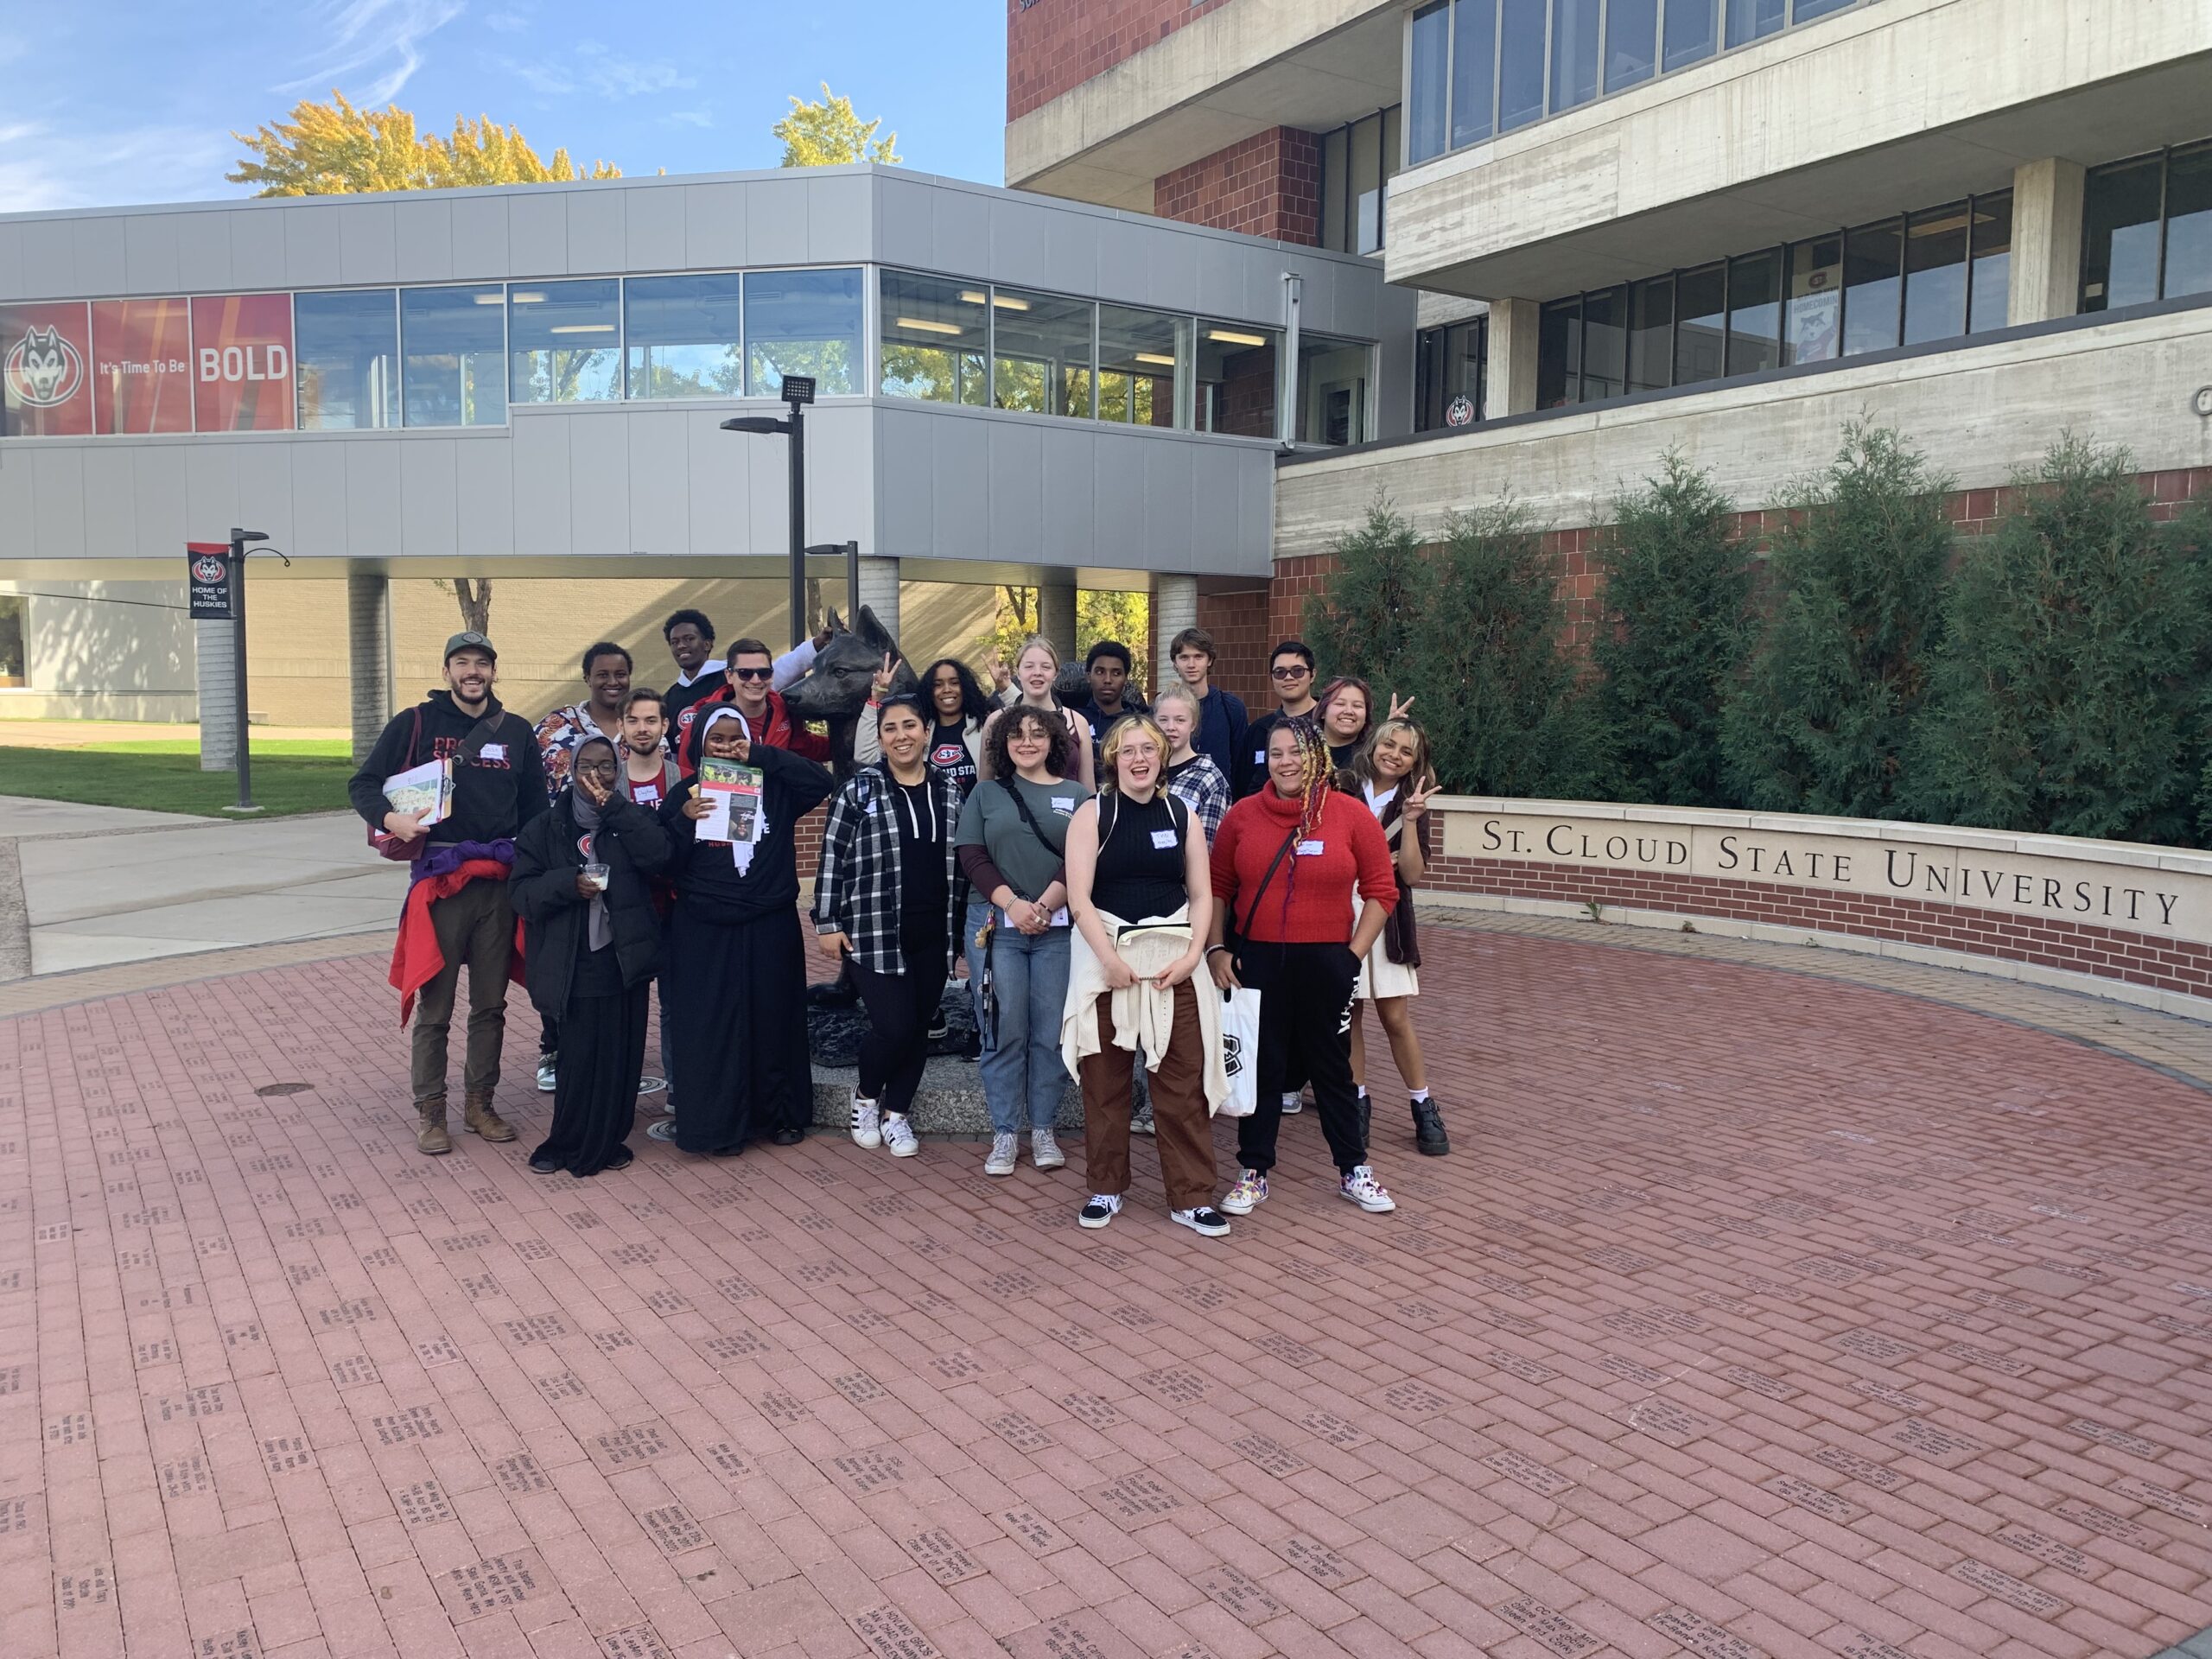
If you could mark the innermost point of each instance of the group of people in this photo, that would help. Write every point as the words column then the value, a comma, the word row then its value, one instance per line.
column 1103, row 872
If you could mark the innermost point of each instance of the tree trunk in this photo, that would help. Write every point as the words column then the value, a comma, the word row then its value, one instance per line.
column 475, row 599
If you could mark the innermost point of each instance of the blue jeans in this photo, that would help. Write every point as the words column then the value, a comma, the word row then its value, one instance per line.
column 1022, row 1073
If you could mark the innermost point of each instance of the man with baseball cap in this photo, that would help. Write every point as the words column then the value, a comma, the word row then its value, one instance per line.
column 457, row 912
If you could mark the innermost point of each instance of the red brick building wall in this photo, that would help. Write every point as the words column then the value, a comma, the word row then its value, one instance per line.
column 1054, row 46
column 1268, row 185
column 1238, row 623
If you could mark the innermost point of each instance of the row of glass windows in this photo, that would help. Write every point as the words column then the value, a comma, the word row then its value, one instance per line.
column 948, row 341
column 1358, row 161
column 1920, row 276
column 1451, row 374
column 1477, row 68
column 2147, row 229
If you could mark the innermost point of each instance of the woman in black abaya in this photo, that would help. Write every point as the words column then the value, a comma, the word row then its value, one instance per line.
column 590, row 943
column 736, row 969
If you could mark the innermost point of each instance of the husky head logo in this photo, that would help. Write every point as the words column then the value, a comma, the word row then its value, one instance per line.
column 44, row 370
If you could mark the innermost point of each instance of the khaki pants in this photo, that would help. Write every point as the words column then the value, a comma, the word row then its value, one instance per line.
column 1182, row 1127
column 475, row 929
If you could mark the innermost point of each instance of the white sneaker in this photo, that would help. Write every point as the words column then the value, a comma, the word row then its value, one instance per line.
column 1205, row 1221
column 867, row 1130
column 1006, row 1152
column 1247, row 1195
column 546, row 1082
column 1101, row 1209
column 1292, row 1104
column 1045, row 1149
column 899, row 1136
column 1363, row 1189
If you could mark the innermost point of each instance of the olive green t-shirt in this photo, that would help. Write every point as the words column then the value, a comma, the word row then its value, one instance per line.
column 990, row 820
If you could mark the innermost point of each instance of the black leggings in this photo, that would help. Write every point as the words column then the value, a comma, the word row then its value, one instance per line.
column 900, row 1008
column 1306, row 1000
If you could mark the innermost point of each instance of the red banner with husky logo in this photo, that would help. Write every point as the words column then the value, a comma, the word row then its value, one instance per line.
column 46, row 371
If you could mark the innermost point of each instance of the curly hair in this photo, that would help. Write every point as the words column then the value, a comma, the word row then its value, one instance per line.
column 998, row 762
column 975, row 703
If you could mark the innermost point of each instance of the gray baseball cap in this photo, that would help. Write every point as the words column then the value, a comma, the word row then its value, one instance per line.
column 469, row 640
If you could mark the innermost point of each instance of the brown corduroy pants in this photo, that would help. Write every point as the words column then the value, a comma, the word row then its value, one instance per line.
column 1182, row 1127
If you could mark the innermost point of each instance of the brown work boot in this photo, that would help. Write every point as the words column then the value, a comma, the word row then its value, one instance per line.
column 430, row 1134
column 480, row 1119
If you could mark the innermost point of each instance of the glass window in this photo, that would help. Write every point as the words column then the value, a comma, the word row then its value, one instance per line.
column 1449, row 367
column 47, row 369
column 1574, row 52
column 1332, row 377
column 1366, row 184
column 934, row 340
column 454, row 342
column 1236, row 378
column 2120, row 235
column 1990, row 298
column 565, row 341
column 241, row 363
column 2189, row 222
column 1872, row 257
column 1755, row 312
column 1428, row 78
column 348, row 352
column 1336, row 162
column 1042, row 353
column 1651, row 334
column 1631, row 42
column 802, row 322
column 1474, row 69
column 1701, row 323
column 1520, row 64
column 1935, row 274
column 1559, row 354
column 1144, row 357
column 1807, row 9
column 1690, row 37
column 1605, row 344
column 12, row 606
column 684, row 336
column 141, row 370
column 1813, row 330
column 1749, row 19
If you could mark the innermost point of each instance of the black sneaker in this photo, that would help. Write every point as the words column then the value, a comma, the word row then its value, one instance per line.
column 545, row 1163
column 788, row 1137
column 1429, row 1138
column 1205, row 1221
column 1101, row 1209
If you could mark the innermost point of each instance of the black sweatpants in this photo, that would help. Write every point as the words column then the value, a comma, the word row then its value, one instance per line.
column 1306, row 1005
column 900, row 1009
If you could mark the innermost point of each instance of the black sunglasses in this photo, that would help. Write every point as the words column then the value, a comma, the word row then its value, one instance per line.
column 753, row 673
column 1295, row 671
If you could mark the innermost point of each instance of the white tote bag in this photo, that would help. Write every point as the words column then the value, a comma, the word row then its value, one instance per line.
column 1240, row 1051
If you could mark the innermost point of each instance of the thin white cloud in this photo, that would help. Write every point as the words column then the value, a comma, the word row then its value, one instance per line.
column 103, row 167
column 380, row 37
column 690, row 117
column 510, row 21
column 592, row 67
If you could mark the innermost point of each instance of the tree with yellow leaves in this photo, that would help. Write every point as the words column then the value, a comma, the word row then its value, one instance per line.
column 829, row 134
column 338, row 148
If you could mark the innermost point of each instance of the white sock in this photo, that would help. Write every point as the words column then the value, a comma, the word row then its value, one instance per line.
column 1362, row 1092
column 1420, row 1097
column 1290, row 1097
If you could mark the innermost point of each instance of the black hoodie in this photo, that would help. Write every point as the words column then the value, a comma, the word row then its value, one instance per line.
column 494, row 794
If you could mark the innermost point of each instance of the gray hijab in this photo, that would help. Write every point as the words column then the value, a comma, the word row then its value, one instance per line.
column 598, row 926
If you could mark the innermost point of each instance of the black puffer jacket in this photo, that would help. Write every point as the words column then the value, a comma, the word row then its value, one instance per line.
column 632, row 844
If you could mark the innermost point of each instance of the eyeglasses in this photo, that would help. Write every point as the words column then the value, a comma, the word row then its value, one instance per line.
column 754, row 673
column 1295, row 671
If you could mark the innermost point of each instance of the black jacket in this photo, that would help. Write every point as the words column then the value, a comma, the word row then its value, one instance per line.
column 494, row 794
column 707, row 880
column 632, row 844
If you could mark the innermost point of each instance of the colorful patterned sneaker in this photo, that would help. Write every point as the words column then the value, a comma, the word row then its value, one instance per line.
column 899, row 1136
column 546, row 1074
column 1363, row 1189
column 1006, row 1152
column 1045, row 1149
column 1247, row 1195
column 1101, row 1209
column 1205, row 1221
column 867, row 1129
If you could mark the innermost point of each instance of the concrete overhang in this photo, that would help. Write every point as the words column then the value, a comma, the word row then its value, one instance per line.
column 1904, row 104
column 1241, row 69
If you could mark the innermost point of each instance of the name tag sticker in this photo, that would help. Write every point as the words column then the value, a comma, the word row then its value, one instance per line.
column 1259, row 757
column 493, row 752
column 1311, row 850
column 1165, row 838
column 1064, row 804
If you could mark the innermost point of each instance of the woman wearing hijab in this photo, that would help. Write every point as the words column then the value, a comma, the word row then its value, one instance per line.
column 581, row 885
column 736, row 969
column 889, row 893
column 1285, row 867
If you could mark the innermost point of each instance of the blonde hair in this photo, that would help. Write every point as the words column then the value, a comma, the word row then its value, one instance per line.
column 1363, row 765
column 1176, row 691
column 1037, row 642
column 1110, row 750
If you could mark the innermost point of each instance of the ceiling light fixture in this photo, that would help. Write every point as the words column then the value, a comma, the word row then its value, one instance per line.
column 1230, row 337
column 1154, row 357
column 925, row 325
column 530, row 298
column 582, row 329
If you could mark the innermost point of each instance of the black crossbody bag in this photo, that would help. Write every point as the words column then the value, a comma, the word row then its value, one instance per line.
column 1233, row 935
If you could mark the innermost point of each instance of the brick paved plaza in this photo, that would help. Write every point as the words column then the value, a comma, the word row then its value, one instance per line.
column 1756, row 1314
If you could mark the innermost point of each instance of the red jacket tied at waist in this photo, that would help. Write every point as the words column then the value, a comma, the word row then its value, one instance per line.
column 416, row 958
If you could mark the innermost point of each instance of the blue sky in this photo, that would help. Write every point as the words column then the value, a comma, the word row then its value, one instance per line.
column 116, row 101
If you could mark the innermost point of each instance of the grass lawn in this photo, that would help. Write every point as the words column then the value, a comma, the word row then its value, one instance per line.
column 164, row 776
column 327, row 748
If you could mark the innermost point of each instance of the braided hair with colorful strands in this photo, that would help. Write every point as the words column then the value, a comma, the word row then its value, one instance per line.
column 1315, row 778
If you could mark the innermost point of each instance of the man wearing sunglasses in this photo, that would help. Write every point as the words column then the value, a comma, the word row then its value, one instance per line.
column 1290, row 672
column 752, row 672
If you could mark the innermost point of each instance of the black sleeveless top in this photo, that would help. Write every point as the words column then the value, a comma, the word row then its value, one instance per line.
column 1140, row 870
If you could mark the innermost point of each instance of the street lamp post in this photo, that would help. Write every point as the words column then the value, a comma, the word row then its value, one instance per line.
column 798, row 393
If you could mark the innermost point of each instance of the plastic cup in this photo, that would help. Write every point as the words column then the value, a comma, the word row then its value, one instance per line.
column 596, row 874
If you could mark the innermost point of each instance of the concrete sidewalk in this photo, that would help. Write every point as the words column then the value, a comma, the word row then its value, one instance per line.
column 97, row 885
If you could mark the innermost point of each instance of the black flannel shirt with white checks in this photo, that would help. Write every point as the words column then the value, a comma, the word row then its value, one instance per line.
column 856, row 885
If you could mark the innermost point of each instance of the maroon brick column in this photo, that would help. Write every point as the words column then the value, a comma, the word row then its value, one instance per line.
column 1269, row 185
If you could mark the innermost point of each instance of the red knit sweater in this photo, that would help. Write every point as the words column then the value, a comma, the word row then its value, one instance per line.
column 1315, row 884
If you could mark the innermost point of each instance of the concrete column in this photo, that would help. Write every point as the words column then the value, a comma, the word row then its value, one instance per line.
column 219, row 695
column 1056, row 612
column 879, row 591
column 2046, row 241
column 1510, row 386
column 368, row 652
column 1175, row 608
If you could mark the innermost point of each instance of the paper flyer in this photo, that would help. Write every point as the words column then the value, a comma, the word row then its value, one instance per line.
column 426, row 788
column 732, row 792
